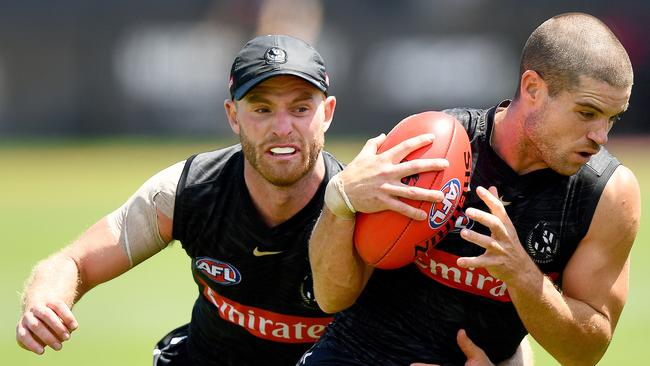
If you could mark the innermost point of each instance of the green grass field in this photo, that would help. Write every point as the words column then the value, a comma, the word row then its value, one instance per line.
column 50, row 192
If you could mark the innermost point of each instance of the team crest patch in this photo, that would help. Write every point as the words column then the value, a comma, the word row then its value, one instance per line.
column 542, row 243
column 275, row 55
column 217, row 271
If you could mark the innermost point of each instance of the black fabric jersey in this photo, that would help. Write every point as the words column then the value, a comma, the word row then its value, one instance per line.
column 255, row 303
column 413, row 313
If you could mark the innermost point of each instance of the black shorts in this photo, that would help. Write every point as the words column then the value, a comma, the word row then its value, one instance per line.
column 171, row 350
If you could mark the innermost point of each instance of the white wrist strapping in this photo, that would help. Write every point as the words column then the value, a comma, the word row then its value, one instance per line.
column 337, row 201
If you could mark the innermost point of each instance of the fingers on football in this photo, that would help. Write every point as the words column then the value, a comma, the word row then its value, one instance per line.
column 398, row 152
column 414, row 193
column 372, row 145
column 406, row 209
column 420, row 166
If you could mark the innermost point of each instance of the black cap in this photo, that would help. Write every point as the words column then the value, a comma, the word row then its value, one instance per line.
column 267, row 56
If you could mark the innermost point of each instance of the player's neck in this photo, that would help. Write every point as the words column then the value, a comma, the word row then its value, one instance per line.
column 278, row 204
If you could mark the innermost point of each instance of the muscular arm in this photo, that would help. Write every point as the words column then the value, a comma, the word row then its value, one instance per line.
column 339, row 273
column 101, row 253
column 577, row 324
column 373, row 183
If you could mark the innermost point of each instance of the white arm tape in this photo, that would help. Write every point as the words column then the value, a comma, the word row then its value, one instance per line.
column 337, row 201
column 135, row 223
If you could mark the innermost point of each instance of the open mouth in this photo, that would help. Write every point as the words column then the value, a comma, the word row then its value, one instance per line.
column 283, row 151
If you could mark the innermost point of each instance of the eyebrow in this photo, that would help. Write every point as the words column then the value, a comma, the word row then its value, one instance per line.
column 259, row 98
column 598, row 109
column 591, row 105
column 304, row 96
column 256, row 98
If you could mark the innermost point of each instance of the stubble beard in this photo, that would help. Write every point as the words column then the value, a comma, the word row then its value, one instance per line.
column 551, row 152
column 281, row 175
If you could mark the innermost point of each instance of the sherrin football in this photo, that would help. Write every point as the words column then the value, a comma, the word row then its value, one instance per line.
column 388, row 239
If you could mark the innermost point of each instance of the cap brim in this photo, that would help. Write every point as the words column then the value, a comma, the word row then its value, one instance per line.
column 247, row 86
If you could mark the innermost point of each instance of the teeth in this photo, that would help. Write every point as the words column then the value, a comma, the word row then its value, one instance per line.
column 283, row 150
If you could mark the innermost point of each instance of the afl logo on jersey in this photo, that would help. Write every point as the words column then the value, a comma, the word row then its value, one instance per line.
column 442, row 211
column 542, row 243
column 220, row 272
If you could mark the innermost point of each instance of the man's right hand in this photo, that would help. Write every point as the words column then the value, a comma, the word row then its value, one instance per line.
column 47, row 323
column 373, row 182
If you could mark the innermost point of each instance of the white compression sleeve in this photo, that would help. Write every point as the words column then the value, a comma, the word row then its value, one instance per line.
column 135, row 223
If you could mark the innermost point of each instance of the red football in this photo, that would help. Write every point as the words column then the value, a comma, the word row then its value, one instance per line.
column 388, row 239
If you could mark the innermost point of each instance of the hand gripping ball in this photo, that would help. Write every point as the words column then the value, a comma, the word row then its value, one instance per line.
column 388, row 239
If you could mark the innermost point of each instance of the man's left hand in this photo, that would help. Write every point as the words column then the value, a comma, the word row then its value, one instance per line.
column 475, row 355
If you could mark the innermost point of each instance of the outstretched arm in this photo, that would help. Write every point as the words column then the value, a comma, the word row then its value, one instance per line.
column 136, row 231
column 372, row 182
column 59, row 281
column 577, row 324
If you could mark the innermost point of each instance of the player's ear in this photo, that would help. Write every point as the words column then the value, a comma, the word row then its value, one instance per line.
column 231, row 113
column 330, row 106
column 533, row 88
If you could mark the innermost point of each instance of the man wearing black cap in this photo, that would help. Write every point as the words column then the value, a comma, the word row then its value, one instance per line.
column 243, row 214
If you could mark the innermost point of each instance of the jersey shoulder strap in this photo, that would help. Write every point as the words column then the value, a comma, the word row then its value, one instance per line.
column 588, row 185
column 200, row 185
column 472, row 119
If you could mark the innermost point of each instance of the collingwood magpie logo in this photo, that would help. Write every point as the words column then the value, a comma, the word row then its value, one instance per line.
column 275, row 55
column 542, row 243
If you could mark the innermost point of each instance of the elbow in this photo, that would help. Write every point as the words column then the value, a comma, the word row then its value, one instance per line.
column 331, row 303
column 329, row 308
column 332, row 307
column 598, row 352
column 592, row 353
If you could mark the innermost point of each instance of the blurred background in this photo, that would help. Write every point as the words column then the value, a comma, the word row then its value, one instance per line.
column 160, row 67
column 95, row 97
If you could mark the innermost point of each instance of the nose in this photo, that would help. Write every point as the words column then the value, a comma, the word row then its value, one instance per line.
column 282, row 126
column 600, row 133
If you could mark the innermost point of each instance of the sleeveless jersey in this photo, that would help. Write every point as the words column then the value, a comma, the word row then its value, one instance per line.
column 256, row 304
column 412, row 314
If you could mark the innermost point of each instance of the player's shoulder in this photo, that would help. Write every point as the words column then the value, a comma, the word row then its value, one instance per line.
column 474, row 120
column 622, row 186
column 207, row 166
column 618, row 212
column 600, row 164
column 465, row 114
